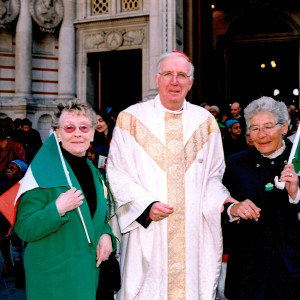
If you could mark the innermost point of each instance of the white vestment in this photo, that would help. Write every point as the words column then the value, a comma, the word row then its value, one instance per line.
column 175, row 158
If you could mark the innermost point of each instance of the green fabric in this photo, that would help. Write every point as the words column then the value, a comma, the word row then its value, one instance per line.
column 296, row 159
column 46, row 166
column 59, row 262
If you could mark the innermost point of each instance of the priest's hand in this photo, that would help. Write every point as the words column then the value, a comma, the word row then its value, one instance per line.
column 245, row 209
column 104, row 248
column 228, row 200
column 160, row 211
column 69, row 200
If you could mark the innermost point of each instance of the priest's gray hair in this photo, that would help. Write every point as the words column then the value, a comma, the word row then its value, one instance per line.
column 266, row 104
column 76, row 107
column 172, row 54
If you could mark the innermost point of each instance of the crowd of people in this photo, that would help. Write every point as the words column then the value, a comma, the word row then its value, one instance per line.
column 19, row 143
column 198, row 203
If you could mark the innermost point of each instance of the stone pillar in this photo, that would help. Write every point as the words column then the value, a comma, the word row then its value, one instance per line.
column 155, row 44
column 66, row 59
column 23, row 59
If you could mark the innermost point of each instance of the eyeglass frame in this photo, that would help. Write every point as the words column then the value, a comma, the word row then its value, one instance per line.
column 166, row 73
column 89, row 126
column 263, row 127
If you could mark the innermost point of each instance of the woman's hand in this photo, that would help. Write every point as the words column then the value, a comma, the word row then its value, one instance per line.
column 69, row 200
column 246, row 210
column 104, row 248
column 291, row 180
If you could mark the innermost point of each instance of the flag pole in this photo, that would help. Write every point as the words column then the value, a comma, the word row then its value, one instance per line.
column 295, row 144
column 278, row 183
column 70, row 184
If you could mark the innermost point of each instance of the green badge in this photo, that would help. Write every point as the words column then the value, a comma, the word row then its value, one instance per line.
column 269, row 187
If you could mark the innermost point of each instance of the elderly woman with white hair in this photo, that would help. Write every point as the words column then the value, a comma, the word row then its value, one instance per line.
column 264, row 232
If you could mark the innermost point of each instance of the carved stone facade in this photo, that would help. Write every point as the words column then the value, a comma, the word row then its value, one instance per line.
column 47, row 13
column 46, row 45
column 55, row 50
column 9, row 11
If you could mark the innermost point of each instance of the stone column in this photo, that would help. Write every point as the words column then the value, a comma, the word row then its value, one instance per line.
column 155, row 45
column 66, row 59
column 23, row 59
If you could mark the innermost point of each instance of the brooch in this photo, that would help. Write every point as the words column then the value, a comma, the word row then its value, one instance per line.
column 257, row 165
column 269, row 187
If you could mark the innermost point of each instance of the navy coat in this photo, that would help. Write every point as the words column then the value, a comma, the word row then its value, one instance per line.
column 263, row 255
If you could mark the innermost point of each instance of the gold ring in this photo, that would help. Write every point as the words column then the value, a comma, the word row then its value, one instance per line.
column 161, row 217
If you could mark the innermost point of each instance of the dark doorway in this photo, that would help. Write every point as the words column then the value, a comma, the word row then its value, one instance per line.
column 259, row 69
column 116, row 78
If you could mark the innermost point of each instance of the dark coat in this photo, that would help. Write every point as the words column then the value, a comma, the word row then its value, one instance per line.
column 263, row 255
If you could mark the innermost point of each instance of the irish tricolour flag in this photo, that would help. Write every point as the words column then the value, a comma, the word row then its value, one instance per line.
column 295, row 152
column 47, row 170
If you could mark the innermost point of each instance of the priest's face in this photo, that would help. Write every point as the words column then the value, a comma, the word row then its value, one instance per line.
column 174, row 82
column 75, row 132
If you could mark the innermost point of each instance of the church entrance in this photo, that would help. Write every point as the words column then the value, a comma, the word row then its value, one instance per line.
column 264, row 69
column 114, row 79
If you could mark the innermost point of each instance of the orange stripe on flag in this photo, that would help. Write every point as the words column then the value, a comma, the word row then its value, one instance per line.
column 7, row 203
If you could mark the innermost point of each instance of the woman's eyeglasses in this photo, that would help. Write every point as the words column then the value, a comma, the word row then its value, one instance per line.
column 69, row 128
column 268, row 127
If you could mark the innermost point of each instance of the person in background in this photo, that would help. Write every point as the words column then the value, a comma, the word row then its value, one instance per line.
column 14, row 173
column 236, row 113
column 215, row 111
column 18, row 132
column 9, row 149
column 263, row 227
column 165, row 169
column 62, row 258
column 102, row 138
column 233, row 141
column 249, row 140
column 31, row 139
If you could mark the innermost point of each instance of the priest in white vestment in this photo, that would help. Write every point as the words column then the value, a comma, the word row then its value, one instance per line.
column 165, row 170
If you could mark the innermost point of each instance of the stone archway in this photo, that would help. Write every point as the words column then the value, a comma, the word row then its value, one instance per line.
column 262, row 55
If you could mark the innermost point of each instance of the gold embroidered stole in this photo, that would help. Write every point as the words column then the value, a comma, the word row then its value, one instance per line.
column 176, row 198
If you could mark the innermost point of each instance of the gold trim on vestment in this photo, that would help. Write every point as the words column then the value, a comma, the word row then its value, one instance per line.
column 176, row 198
column 198, row 139
column 144, row 137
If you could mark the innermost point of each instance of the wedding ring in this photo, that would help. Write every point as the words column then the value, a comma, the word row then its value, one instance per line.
column 291, row 174
column 245, row 211
column 161, row 217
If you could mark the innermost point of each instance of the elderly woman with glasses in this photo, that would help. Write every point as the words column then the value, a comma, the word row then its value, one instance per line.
column 263, row 229
column 62, row 213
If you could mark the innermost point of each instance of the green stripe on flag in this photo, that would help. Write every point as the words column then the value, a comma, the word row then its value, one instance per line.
column 46, row 166
column 296, row 159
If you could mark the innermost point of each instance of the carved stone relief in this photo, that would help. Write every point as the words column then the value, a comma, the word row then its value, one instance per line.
column 47, row 13
column 115, row 39
column 9, row 10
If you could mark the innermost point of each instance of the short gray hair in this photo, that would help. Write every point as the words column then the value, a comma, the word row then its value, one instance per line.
column 266, row 104
column 172, row 54
column 76, row 107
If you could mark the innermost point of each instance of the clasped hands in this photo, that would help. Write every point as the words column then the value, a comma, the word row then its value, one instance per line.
column 248, row 210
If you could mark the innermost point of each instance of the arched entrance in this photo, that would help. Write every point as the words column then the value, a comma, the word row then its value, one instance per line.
column 262, row 57
column 115, row 78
